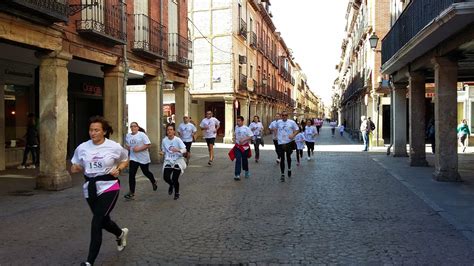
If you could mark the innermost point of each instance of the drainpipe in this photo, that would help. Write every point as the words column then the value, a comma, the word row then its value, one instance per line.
column 125, row 75
column 162, row 74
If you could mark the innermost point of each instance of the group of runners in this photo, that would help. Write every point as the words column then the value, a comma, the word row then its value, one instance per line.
column 101, row 160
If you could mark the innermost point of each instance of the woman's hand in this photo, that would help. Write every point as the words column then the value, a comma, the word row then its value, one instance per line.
column 115, row 171
column 75, row 168
column 175, row 149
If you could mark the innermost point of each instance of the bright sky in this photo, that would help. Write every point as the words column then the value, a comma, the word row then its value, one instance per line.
column 314, row 30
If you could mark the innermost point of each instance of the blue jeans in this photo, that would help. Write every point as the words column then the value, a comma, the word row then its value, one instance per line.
column 241, row 161
column 365, row 136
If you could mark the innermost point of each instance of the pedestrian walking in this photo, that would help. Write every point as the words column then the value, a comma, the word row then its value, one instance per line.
column 341, row 130
column 310, row 132
column 101, row 160
column 430, row 134
column 138, row 143
column 257, row 128
column 273, row 129
column 210, row 125
column 31, row 146
column 173, row 149
column 463, row 132
column 241, row 149
column 299, row 140
column 333, row 125
column 366, row 127
column 187, row 132
column 286, row 131
column 318, row 123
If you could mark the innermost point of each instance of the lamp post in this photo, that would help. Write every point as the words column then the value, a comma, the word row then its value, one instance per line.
column 374, row 40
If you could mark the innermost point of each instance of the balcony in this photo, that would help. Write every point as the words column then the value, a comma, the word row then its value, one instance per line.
column 253, row 40
column 45, row 11
column 103, row 22
column 256, row 88
column 261, row 45
column 150, row 37
column 421, row 27
column 179, row 51
column 243, row 82
column 243, row 28
column 354, row 88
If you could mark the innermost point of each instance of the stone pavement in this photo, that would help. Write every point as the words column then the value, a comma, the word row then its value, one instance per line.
column 344, row 207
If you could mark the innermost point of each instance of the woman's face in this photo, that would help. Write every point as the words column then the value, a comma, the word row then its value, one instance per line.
column 96, row 132
column 134, row 128
column 308, row 122
column 170, row 131
column 255, row 119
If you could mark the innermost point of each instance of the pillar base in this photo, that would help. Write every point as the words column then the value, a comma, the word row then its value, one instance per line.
column 228, row 140
column 446, row 176
column 420, row 162
column 400, row 154
column 54, row 181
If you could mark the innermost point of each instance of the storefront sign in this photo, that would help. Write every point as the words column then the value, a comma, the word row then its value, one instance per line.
column 91, row 89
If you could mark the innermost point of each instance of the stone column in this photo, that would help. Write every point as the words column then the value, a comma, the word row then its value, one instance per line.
column 417, row 119
column 229, row 118
column 53, row 125
column 253, row 111
column 399, row 120
column 182, row 102
column 114, row 101
column 154, row 114
column 446, row 155
column 2, row 125
column 244, row 108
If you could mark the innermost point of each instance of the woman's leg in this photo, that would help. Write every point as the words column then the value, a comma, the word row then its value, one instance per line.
column 281, row 150
column 298, row 156
column 25, row 155
column 167, row 177
column 176, row 174
column 257, row 148
column 148, row 174
column 131, row 176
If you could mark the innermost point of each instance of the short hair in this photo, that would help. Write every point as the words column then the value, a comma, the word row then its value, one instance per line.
column 241, row 118
column 171, row 125
column 105, row 124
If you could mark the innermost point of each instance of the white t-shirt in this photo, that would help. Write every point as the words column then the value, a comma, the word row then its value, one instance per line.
column 241, row 133
column 310, row 133
column 97, row 160
column 273, row 125
column 211, row 124
column 285, row 129
column 299, row 139
column 333, row 124
column 256, row 128
column 138, row 139
column 186, row 131
column 166, row 146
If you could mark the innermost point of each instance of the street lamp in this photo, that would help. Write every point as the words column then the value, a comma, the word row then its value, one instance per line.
column 373, row 40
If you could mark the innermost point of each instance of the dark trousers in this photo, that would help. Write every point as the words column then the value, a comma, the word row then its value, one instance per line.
column 101, row 209
column 241, row 161
column 171, row 176
column 310, row 146
column 133, row 171
column 285, row 149
column 256, row 145
column 366, row 137
column 318, row 128
column 277, row 148
column 299, row 154
column 34, row 154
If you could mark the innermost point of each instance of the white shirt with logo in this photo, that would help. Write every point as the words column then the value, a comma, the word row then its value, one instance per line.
column 166, row 146
column 285, row 129
column 273, row 125
column 98, row 160
column 211, row 124
column 299, row 139
column 186, row 132
column 257, row 129
column 241, row 133
column 139, row 139
column 310, row 133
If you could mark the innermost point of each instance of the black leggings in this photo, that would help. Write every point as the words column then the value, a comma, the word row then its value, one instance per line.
column 310, row 146
column 101, row 209
column 257, row 148
column 171, row 176
column 288, row 150
column 34, row 155
column 277, row 148
column 133, row 171
column 299, row 154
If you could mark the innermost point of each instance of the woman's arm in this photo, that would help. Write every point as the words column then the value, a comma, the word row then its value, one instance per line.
column 119, row 168
column 76, row 168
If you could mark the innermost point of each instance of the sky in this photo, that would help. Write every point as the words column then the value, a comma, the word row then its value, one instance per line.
column 314, row 30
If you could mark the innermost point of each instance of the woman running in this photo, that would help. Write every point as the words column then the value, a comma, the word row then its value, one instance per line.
column 138, row 143
column 257, row 128
column 310, row 132
column 174, row 164
column 299, row 139
column 101, row 160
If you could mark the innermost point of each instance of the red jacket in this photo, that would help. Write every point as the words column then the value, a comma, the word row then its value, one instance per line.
column 242, row 149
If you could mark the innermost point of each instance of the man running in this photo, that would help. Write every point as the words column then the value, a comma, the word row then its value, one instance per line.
column 286, row 131
column 210, row 125
column 186, row 132
column 273, row 127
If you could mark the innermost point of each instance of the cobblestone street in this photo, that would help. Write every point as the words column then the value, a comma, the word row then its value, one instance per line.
column 342, row 208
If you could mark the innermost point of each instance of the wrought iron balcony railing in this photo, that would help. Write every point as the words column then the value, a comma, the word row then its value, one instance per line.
column 256, row 88
column 150, row 37
column 354, row 87
column 243, row 82
column 253, row 40
column 180, row 51
column 243, row 28
column 44, row 11
column 261, row 45
column 414, row 18
column 103, row 21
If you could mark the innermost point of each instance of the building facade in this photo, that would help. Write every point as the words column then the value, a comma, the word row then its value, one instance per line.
column 67, row 60
column 436, row 48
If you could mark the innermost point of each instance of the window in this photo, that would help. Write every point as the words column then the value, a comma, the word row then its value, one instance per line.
column 18, row 103
column 251, row 71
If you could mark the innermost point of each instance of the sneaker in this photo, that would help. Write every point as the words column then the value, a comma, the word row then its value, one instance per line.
column 278, row 161
column 122, row 240
column 237, row 178
column 170, row 190
column 129, row 196
column 21, row 167
column 282, row 178
column 247, row 174
column 289, row 172
column 155, row 187
column 298, row 164
column 464, row 149
column 31, row 166
column 309, row 158
column 256, row 160
column 86, row 264
column 176, row 196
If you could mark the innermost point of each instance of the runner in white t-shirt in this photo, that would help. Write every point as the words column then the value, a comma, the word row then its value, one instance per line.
column 101, row 160
column 286, row 131
column 299, row 140
column 187, row 132
column 243, row 136
column 210, row 125
column 257, row 129
column 273, row 129
column 310, row 133
column 173, row 149
column 138, row 143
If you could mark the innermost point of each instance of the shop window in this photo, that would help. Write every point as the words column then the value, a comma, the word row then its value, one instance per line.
column 17, row 108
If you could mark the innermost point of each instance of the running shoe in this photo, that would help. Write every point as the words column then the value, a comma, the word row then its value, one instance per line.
column 86, row 264
column 278, row 161
column 21, row 167
column 210, row 162
column 122, row 240
column 176, row 196
column 297, row 164
column 155, row 187
column 464, row 149
column 31, row 166
column 170, row 190
column 309, row 158
column 129, row 196
column 237, row 178
column 247, row 174
column 289, row 172
column 282, row 178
